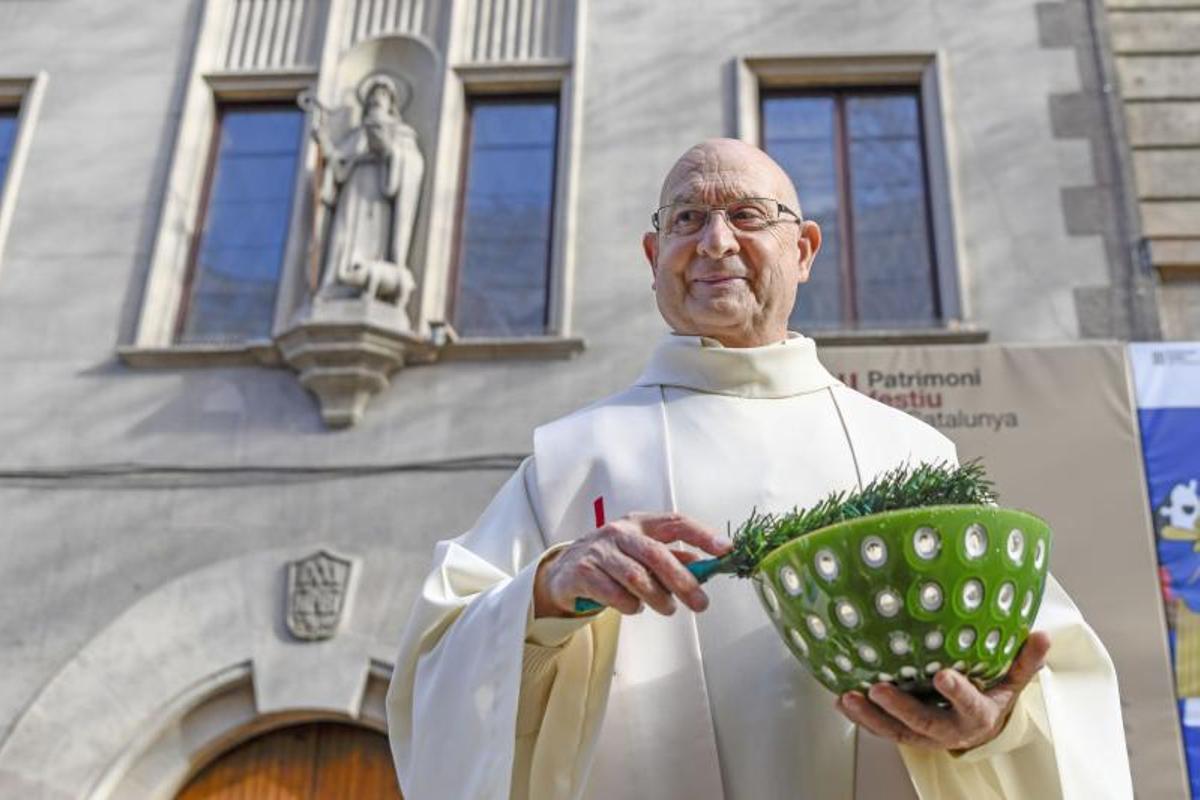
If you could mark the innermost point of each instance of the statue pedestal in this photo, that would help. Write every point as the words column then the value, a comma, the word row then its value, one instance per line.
column 345, row 351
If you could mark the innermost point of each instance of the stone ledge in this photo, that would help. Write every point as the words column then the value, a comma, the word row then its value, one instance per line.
column 527, row 347
column 250, row 354
column 266, row 354
column 893, row 336
column 1178, row 273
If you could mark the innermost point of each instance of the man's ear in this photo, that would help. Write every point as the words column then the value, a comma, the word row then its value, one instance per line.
column 808, row 242
column 650, row 248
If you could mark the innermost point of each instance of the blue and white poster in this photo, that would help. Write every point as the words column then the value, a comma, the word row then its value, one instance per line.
column 1167, row 380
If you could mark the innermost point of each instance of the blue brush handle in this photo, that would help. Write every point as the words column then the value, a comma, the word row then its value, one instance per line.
column 703, row 570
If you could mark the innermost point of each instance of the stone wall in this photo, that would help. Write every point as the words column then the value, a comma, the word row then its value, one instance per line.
column 1156, row 44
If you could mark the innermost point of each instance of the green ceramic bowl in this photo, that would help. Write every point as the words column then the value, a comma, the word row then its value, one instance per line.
column 895, row 597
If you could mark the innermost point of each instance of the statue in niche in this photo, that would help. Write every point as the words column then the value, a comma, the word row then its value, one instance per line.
column 370, row 187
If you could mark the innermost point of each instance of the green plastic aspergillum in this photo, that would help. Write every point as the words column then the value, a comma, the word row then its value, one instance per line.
column 703, row 570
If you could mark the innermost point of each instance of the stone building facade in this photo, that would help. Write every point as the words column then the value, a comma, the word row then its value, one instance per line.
column 156, row 487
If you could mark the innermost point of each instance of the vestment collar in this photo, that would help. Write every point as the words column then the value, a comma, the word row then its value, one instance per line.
column 702, row 364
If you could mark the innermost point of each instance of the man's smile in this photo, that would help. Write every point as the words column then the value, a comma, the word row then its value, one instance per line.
column 719, row 280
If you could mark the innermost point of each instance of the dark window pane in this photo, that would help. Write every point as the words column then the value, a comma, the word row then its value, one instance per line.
column 240, row 250
column 507, row 213
column 868, row 194
column 799, row 133
column 893, row 263
column 8, row 134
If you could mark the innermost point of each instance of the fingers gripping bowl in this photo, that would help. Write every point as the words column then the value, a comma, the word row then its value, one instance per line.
column 896, row 596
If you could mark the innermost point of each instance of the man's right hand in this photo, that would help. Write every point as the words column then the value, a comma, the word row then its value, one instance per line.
column 626, row 563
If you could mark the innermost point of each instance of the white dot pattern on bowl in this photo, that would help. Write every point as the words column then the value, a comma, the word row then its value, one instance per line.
column 769, row 596
column 847, row 614
column 1015, row 546
column 975, row 541
column 965, row 638
column 1004, row 598
column 827, row 564
column 926, row 543
column 888, row 603
column 972, row 594
column 874, row 552
column 835, row 629
column 790, row 579
column 930, row 596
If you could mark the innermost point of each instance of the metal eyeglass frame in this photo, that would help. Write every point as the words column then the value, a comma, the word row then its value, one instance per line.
column 655, row 218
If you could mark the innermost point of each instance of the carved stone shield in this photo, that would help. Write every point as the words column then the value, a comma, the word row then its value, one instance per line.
column 316, row 595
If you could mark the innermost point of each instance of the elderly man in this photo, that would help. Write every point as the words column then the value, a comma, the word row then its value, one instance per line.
column 502, row 690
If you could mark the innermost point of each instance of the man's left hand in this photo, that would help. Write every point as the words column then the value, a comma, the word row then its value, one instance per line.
column 974, row 717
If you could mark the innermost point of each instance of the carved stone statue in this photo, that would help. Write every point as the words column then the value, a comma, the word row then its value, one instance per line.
column 370, row 187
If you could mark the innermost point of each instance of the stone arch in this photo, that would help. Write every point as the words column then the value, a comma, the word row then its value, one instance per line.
column 198, row 665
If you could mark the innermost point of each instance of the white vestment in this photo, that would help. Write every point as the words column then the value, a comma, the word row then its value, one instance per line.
column 487, row 702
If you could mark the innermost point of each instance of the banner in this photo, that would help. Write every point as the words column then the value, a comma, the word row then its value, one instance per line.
column 1167, row 377
column 1057, row 429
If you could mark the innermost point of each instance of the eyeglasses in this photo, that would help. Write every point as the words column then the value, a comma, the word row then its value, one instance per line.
column 744, row 214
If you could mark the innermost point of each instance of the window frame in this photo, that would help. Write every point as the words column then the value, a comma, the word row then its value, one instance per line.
column 847, row 266
column 25, row 95
column 457, row 254
column 555, row 77
column 185, row 201
column 753, row 76
column 220, row 108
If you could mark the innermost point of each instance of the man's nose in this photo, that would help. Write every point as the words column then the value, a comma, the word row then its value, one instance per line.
column 717, row 240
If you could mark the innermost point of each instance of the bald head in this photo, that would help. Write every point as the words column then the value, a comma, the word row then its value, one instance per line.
column 736, row 168
column 728, row 280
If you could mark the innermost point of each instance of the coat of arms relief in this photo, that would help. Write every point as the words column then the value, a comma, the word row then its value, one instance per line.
column 317, row 589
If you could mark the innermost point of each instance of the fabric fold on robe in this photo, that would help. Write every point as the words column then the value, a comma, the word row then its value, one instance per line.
column 465, row 667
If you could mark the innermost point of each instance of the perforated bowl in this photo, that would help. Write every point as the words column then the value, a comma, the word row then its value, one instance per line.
column 895, row 597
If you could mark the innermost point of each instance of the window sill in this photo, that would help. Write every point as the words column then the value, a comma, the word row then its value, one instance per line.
column 261, row 353
column 1178, row 273
column 894, row 336
column 499, row 348
column 265, row 353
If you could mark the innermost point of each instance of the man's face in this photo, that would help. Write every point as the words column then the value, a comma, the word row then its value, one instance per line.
column 732, row 285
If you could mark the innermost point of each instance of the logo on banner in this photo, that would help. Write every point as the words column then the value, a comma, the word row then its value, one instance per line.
column 1176, row 357
column 1177, row 516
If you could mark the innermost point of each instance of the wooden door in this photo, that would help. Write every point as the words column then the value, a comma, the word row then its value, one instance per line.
column 314, row 761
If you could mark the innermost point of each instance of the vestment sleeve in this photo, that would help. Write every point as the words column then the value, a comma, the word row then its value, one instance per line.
column 1065, row 738
column 480, row 705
